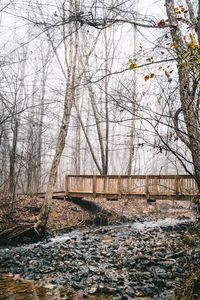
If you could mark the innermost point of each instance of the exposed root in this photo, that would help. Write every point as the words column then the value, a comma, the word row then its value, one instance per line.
column 22, row 233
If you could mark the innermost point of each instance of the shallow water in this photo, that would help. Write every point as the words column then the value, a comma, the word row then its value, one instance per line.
column 159, row 223
column 11, row 288
column 144, row 225
column 138, row 225
column 15, row 288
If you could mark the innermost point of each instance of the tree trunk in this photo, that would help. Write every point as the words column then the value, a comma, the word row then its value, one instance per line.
column 134, row 100
column 191, row 136
column 68, row 102
column 13, row 157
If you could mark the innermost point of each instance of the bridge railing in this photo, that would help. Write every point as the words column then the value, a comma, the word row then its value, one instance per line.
column 136, row 185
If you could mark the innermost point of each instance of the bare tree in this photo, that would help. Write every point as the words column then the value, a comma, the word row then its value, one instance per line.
column 187, row 51
column 71, row 63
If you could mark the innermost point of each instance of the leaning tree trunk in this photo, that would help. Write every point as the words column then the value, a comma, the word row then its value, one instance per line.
column 69, row 99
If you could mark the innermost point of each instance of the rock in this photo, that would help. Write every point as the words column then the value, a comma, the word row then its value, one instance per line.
column 93, row 289
column 84, row 271
column 33, row 262
column 93, row 269
column 160, row 283
column 49, row 286
column 160, row 272
column 148, row 290
column 45, row 246
column 168, row 263
column 169, row 284
column 117, row 297
column 179, row 270
column 46, row 270
column 120, row 289
column 124, row 297
column 130, row 291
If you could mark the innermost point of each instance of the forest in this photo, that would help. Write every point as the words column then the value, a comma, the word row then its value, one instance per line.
column 102, row 98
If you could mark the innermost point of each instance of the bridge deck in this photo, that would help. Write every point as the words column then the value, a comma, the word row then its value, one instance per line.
column 56, row 195
column 157, row 186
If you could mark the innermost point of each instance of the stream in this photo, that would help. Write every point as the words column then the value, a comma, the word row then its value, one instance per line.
column 139, row 260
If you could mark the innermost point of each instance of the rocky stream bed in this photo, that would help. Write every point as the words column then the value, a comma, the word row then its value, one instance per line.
column 139, row 260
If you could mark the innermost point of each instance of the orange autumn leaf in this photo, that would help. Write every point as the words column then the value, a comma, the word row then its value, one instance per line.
column 146, row 77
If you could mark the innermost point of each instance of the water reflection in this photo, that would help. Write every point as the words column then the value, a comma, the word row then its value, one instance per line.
column 14, row 288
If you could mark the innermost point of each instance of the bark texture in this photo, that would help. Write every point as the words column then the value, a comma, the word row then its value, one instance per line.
column 71, row 60
column 188, row 89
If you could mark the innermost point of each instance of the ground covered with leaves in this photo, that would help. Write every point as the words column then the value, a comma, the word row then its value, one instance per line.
column 64, row 214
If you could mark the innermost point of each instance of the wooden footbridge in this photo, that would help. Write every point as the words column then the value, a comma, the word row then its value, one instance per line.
column 114, row 186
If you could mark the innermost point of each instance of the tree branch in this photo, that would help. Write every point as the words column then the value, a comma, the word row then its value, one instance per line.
column 128, row 69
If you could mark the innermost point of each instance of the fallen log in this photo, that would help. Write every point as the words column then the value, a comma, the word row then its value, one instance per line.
column 19, row 234
column 29, row 232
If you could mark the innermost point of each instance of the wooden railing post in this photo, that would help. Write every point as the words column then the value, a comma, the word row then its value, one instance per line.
column 156, row 191
column 147, row 186
column 129, row 185
column 66, row 186
column 82, row 181
column 176, row 186
column 119, row 187
column 94, row 185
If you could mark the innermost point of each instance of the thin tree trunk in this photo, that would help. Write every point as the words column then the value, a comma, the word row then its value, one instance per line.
column 97, row 123
column 89, row 144
column 38, row 170
column 78, row 146
column 105, row 166
column 68, row 103
column 12, row 183
column 132, row 131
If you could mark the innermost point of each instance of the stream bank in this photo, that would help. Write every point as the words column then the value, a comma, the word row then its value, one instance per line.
column 148, row 259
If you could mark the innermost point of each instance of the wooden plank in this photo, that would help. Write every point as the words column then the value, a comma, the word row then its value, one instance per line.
column 156, row 185
column 176, row 182
column 82, row 183
column 119, row 186
column 129, row 184
column 147, row 187
column 66, row 186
